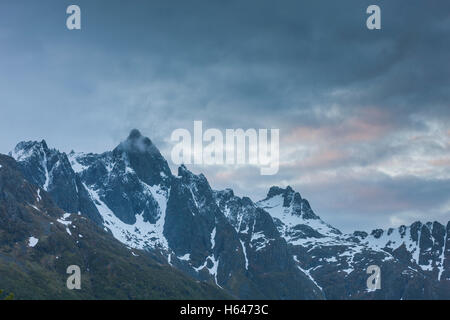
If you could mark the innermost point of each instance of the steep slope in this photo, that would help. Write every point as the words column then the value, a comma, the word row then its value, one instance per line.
column 51, row 171
column 267, row 259
column 212, row 246
column 294, row 217
column 38, row 241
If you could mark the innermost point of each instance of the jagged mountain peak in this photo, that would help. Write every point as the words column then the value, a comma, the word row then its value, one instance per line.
column 298, row 220
column 276, row 190
column 44, row 144
column 423, row 244
column 189, row 176
column 142, row 156
column 137, row 143
column 25, row 149
column 134, row 134
column 432, row 226
column 226, row 193
column 43, row 166
column 414, row 228
column 183, row 171
column 246, row 201
column 288, row 199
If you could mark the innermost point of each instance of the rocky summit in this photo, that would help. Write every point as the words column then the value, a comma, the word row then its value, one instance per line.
column 275, row 248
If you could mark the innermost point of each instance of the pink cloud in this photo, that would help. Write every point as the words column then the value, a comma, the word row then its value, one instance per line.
column 442, row 162
column 366, row 126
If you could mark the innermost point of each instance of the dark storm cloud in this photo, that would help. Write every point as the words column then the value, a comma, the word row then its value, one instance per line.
column 358, row 99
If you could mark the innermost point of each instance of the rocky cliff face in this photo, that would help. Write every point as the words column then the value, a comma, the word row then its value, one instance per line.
column 277, row 248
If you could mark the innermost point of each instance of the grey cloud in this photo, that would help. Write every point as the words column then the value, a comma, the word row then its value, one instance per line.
column 160, row 65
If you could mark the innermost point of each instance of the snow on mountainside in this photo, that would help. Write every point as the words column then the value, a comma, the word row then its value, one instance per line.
column 114, row 185
column 426, row 245
column 266, row 249
column 43, row 159
column 248, row 220
column 106, row 185
column 296, row 220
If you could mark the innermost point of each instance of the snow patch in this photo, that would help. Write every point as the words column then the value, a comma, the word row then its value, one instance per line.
column 186, row 257
column 32, row 242
column 77, row 167
column 142, row 234
column 35, row 208
column 213, row 270
column 47, row 176
column 213, row 238
column 245, row 254
column 259, row 240
column 64, row 220
column 307, row 272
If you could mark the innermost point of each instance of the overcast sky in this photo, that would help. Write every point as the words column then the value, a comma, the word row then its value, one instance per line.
column 363, row 115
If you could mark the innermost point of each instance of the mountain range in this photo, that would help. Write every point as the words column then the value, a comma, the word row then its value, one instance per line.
column 139, row 231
